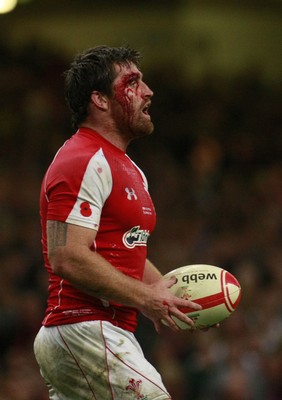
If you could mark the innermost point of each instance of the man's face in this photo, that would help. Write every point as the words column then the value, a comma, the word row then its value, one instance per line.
column 131, row 100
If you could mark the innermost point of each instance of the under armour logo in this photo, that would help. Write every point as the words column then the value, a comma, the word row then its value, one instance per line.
column 131, row 194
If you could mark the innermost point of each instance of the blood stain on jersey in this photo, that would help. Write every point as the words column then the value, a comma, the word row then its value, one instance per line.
column 135, row 387
column 85, row 209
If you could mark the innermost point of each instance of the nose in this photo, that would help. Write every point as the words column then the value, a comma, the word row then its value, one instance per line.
column 147, row 91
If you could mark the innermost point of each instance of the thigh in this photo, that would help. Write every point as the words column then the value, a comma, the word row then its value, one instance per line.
column 131, row 376
column 71, row 366
column 95, row 360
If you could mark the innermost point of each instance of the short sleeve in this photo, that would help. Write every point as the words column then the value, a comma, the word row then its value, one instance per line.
column 84, row 205
column 95, row 188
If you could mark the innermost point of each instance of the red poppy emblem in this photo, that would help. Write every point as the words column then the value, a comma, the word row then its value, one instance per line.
column 85, row 209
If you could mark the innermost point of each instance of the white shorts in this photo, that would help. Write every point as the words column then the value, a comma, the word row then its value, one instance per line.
column 95, row 360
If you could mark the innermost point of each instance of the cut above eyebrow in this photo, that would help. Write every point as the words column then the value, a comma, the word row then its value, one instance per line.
column 133, row 75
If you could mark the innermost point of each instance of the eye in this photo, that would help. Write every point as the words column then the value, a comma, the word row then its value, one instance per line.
column 132, row 82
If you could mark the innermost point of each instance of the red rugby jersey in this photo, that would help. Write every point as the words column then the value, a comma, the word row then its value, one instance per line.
column 92, row 183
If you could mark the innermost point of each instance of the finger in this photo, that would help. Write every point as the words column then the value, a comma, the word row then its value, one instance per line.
column 171, row 281
column 180, row 315
column 158, row 326
column 207, row 329
column 171, row 323
column 167, row 317
column 187, row 306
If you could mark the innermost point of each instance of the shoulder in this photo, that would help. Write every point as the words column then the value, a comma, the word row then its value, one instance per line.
column 140, row 172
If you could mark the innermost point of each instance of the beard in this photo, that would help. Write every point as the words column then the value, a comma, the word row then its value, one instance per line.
column 132, row 124
column 140, row 126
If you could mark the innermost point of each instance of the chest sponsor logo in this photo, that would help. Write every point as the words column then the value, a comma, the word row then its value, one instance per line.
column 135, row 237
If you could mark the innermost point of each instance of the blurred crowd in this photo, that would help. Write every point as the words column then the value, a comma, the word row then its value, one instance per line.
column 214, row 166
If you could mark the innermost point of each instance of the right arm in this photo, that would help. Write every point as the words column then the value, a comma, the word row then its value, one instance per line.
column 71, row 257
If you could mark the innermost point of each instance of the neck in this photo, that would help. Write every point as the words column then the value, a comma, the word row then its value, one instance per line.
column 108, row 133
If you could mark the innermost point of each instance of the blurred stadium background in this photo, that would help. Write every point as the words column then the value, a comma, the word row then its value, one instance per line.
column 213, row 165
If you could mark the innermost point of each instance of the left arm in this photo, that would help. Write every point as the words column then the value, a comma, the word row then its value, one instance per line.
column 151, row 273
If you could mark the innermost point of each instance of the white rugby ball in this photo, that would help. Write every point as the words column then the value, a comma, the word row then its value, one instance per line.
column 214, row 288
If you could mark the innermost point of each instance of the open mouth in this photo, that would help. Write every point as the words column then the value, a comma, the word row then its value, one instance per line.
column 145, row 110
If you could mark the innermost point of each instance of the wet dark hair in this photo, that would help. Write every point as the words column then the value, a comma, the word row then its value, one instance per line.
column 93, row 70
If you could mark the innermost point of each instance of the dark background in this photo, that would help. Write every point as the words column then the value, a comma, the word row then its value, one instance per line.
column 213, row 166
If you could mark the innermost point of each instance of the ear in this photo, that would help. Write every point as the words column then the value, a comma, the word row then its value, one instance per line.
column 99, row 100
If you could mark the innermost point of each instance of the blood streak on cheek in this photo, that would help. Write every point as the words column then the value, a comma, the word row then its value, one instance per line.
column 123, row 95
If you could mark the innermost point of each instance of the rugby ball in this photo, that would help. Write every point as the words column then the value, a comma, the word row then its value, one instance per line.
column 214, row 288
